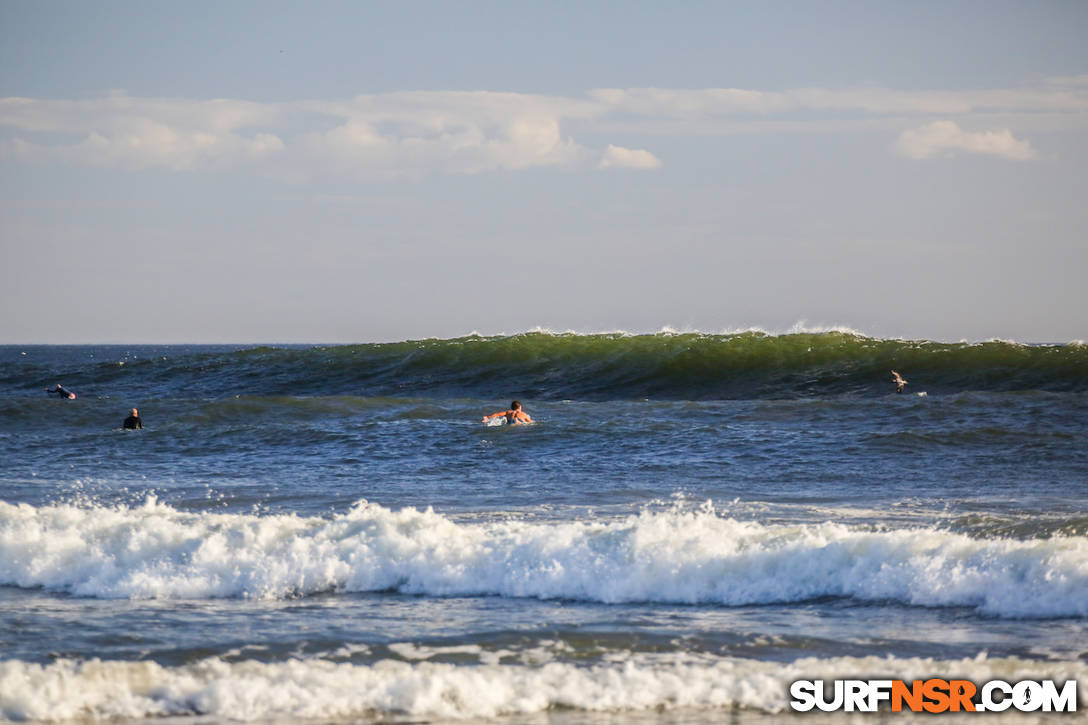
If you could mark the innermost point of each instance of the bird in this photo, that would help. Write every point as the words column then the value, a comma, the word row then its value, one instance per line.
column 899, row 381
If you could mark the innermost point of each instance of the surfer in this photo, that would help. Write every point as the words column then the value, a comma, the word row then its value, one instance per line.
column 61, row 391
column 513, row 416
column 133, row 422
column 899, row 381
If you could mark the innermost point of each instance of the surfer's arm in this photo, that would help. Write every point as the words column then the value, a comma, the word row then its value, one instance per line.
column 494, row 415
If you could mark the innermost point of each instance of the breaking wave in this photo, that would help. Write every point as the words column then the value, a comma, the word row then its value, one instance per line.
column 544, row 365
column 677, row 556
column 317, row 688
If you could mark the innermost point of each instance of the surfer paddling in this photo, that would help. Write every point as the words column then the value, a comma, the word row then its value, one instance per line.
column 513, row 416
column 900, row 383
column 61, row 391
column 133, row 421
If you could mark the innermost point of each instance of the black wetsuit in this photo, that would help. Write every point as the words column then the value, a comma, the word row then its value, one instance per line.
column 61, row 391
column 133, row 422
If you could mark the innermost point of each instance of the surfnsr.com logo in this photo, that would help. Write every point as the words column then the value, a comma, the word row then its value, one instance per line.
column 933, row 695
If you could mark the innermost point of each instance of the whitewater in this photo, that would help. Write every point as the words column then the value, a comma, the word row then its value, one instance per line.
column 318, row 688
column 155, row 551
column 329, row 533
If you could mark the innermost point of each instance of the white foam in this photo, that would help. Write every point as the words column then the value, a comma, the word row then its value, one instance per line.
column 410, row 651
column 802, row 327
column 321, row 689
column 680, row 555
column 799, row 327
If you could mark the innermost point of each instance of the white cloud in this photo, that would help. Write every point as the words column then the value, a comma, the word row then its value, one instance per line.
column 671, row 103
column 617, row 157
column 408, row 133
column 420, row 132
column 946, row 138
column 369, row 136
column 698, row 104
column 138, row 132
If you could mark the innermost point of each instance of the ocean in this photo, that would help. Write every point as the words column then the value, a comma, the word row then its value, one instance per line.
column 331, row 534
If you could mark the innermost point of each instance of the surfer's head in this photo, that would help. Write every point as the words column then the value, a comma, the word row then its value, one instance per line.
column 515, row 405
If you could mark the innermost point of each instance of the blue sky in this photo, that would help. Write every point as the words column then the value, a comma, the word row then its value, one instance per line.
column 337, row 172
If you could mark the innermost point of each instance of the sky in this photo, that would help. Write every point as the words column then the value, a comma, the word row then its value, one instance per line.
column 262, row 172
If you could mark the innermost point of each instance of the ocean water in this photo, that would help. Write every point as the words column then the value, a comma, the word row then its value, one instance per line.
column 330, row 534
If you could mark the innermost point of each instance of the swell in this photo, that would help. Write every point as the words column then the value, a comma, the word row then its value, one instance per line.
column 678, row 556
column 569, row 366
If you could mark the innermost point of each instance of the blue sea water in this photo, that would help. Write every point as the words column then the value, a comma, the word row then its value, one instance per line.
column 691, row 523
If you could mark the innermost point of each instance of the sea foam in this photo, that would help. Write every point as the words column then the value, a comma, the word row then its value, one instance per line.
column 677, row 556
column 316, row 688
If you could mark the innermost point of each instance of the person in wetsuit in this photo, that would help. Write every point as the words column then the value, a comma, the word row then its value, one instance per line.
column 61, row 391
column 133, row 422
column 513, row 416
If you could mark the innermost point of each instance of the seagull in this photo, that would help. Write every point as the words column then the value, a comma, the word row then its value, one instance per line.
column 899, row 381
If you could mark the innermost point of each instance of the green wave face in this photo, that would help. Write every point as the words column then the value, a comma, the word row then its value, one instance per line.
column 664, row 366
column 697, row 366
